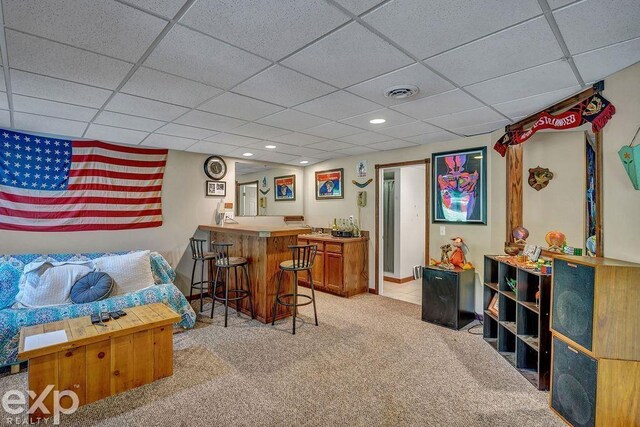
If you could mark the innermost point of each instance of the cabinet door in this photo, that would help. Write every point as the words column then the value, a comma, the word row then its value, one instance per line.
column 440, row 298
column 333, row 272
column 318, row 271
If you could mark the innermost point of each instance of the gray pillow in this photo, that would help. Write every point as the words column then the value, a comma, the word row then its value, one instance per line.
column 94, row 286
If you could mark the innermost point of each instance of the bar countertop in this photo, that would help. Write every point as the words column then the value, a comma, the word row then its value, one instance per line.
column 330, row 238
column 255, row 230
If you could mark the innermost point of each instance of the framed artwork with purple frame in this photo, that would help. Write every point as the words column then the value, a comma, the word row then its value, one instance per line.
column 459, row 193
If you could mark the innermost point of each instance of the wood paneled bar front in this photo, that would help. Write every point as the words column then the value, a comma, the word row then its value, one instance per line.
column 265, row 248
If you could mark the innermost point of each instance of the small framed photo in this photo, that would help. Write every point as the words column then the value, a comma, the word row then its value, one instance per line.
column 285, row 188
column 216, row 188
column 361, row 168
column 330, row 184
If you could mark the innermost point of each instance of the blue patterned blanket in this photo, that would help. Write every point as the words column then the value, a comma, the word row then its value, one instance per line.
column 11, row 320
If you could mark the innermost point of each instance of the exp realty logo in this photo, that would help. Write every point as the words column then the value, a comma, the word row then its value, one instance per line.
column 14, row 404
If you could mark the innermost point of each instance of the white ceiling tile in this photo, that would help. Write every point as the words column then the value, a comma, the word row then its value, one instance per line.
column 296, row 138
column 209, row 121
column 554, row 4
column 242, row 107
column 348, row 56
column 394, row 144
column 533, row 104
column 309, row 161
column 3, row 86
column 109, row 28
column 4, row 102
column 338, row 105
column 107, row 133
column 408, row 129
column 166, row 8
column 277, row 29
column 239, row 153
column 283, row 86
column 261, row 145
column 110, row 118
column 54, row 109
column 392, row 118
column 128, row 104
column 193, row 55
column 417, row 75
column 365, row 138
column 230, row 139
column 299, row 151
column 591, row 24
column 332, row 130
column 356, row 151
column 327, row 155
column 5, row 119
column 211, row 148
column 57, row 90
column 540, row 79
column 358, row 6
column 292, row 119
column 429, row 138
column 481, row 128
column 466, row 118
column 168, row 141
column 444, row 103
column 499, row 54
column 62, row 127
column 45, row 57
column 185, row 131
column 601, row 63
column 157, row 85
column 257, row 130
column 277, row 157
column 330, row 145
column 428, row 29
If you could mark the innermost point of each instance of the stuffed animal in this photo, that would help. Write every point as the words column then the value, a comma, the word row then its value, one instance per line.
column 458, row 256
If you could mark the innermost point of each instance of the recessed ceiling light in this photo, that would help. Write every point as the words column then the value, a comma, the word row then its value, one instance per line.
column 376, row 121
column 247, row 154
column 270, row 146
column 304, row 162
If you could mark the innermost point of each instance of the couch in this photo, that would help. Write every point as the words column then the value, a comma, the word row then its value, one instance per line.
column 12, row 319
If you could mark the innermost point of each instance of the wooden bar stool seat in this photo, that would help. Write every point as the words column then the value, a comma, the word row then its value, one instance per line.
column 224, row 263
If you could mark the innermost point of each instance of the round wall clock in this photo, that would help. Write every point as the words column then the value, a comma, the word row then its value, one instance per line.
column 215, row 167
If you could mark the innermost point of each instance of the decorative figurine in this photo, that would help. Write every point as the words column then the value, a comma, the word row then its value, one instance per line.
column 539, row 177
column 445, row 262
column 556, row 240
column 520, row 235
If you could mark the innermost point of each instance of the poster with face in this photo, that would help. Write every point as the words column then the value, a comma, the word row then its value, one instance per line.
column 459, row 186
column 329, row 184
column 285, row 187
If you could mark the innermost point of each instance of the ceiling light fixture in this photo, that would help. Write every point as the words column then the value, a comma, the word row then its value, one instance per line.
column 247, row 154
column 270, row 146
column 377, row 121
column 304, row 162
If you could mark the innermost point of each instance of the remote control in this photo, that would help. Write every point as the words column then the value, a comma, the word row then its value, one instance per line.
column 114, row 315
column 95, row 318
column 121, row 313
column 104, row 316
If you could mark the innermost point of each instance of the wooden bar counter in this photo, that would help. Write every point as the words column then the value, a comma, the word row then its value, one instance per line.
column 265, row 247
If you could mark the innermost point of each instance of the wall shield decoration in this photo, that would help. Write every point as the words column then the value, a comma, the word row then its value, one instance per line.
column 539, row 177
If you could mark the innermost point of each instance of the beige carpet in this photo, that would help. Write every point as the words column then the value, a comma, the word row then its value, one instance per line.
column 372, row 361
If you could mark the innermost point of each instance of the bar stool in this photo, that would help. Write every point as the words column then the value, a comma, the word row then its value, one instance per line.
column 302, row 258
column 224, row 262
column 199, row 255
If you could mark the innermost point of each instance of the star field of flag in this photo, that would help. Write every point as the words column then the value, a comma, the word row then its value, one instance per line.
column 34, row 163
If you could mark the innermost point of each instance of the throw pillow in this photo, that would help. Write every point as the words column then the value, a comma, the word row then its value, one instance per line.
column 49, row 283
column 95, row 286
column 130, row 272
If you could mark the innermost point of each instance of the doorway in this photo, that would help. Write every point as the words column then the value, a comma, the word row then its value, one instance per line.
column 402, row 228
column 247, row 198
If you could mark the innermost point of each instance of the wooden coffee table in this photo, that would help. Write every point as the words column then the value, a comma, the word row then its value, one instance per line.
column 98, row 361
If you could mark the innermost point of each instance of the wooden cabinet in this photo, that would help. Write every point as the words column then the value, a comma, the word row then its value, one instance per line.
column 341, row 266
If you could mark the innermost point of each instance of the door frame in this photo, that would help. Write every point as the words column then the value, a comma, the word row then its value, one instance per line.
column 238, row 185
column 427, row 206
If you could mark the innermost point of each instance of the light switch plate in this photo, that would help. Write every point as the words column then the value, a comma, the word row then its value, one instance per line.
column 443, row 230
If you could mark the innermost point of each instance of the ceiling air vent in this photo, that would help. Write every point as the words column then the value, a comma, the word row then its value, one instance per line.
column 400, row 92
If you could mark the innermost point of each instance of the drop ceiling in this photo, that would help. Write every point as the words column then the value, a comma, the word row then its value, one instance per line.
column 231, row 76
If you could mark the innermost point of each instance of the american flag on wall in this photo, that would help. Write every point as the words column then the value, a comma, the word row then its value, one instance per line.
column 53, row 184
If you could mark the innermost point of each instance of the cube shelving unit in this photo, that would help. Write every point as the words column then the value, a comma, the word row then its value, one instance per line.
column 520, row 332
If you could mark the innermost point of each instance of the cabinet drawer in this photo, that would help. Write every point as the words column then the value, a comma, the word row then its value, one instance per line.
column 333, row 247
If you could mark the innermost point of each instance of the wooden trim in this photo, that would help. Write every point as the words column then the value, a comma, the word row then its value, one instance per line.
column 396, row 280
column 373, row 291
column 599, row 198
column 427, row 216
column 514, row 190
column 555, row 108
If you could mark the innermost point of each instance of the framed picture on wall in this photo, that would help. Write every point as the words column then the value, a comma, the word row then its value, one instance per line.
column 216, row 188
column 330, row 184
column 285, row 188
column 459, row 186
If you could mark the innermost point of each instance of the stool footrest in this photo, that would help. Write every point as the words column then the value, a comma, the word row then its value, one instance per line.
column 300, row 304
column 244, row 294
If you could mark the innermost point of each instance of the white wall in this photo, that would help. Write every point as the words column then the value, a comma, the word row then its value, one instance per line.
column 284, row 207
column 561, row 204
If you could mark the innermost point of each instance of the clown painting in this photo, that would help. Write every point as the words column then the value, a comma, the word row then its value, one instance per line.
column 459, row 181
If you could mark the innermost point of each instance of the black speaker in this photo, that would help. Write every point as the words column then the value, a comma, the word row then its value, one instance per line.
column 448, row 297
column 573, row 384
column 572, row 307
